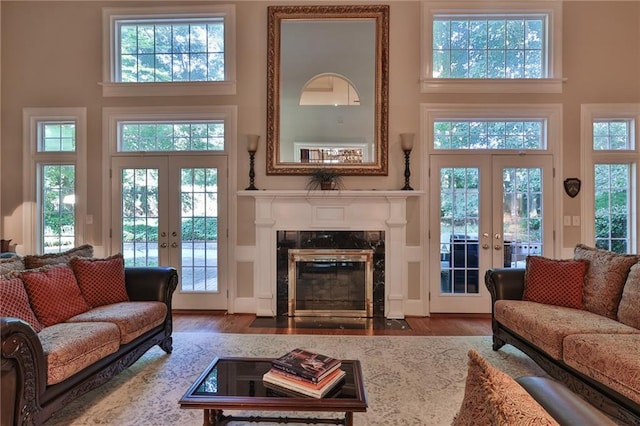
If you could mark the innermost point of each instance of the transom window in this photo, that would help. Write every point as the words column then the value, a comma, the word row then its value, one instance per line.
column 489, row 47
column 171, row 136
column 489, row 134
column 56, row 136
column 613, row 134
column 170, row 50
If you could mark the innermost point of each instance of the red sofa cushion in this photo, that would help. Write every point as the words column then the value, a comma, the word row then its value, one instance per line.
column 54, row 294
column 554, row 282
column 14, row 302
column 101, row 280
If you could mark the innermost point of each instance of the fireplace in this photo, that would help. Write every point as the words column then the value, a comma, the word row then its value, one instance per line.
column 345, row 219
column 330, row 282
column 331, row 273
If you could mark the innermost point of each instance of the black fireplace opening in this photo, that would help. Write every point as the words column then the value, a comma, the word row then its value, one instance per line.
column 289, row 242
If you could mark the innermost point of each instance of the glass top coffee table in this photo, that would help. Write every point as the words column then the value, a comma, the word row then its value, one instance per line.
column 236, row 384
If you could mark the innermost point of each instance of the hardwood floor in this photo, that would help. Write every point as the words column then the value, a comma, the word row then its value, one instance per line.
column 436, row 325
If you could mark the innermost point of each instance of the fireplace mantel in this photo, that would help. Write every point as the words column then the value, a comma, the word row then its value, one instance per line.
column 358, row 210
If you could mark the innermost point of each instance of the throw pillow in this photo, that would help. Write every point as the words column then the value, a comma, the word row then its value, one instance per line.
column 629, row 308
column 101, row 280
column 554, row 282
column 11, row 264
column 14, row 302
column 492, row 397
column 54, row 294
column 33, row 261
column 605, row 279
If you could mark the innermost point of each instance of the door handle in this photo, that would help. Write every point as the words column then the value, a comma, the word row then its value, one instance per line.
column 163, row 245
column 174, row 244
column 486, row 246
column 498, row 247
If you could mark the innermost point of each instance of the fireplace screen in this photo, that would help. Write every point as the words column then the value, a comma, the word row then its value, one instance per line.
column 330, row 282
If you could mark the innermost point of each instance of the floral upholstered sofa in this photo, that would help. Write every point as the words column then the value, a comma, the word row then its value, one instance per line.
column 579, row 319
column 70, row 322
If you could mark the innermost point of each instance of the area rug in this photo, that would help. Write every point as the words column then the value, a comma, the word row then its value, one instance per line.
column 409, row 380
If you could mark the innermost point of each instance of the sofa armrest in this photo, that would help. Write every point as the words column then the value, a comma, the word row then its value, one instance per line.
column 505, row 283
column 151, row 283
column 23, row 364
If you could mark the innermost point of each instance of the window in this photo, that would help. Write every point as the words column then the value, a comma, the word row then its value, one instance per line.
column 171, row 136
column 489, row 134
column 169, row 51
column 491, row 47
column 611, row 156
column 55, row 164
column 469, row 128
column 483, row 47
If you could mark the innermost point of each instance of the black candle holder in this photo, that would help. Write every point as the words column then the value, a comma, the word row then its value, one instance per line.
column 407, row 171
column 252, row 173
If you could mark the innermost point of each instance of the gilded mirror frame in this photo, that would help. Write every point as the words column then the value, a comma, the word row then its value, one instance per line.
column 380, row 15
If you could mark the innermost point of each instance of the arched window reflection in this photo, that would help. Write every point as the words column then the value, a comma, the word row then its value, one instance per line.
column 329, row 89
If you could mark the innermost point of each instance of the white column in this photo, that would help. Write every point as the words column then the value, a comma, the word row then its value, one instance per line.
column 264, row 267
column 395, row 284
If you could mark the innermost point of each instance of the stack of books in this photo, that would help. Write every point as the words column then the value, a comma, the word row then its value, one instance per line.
column 304, row 372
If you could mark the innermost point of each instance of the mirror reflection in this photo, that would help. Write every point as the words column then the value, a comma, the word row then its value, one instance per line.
column 327, row 89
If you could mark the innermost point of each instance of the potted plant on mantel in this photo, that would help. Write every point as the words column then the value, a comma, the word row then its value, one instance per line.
column 324, row 179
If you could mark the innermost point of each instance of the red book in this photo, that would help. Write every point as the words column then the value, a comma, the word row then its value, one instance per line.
column 307, row 365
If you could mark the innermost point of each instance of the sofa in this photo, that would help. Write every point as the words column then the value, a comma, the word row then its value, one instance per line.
column 579, row 319
column 71, row 322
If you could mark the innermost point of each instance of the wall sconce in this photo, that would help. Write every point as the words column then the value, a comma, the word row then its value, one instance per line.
column 406, row 142
column 252, row 147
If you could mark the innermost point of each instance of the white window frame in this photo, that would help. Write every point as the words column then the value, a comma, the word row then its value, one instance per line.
column 33, row 162
column 110, row 87
column 552, row 113
column 111, row 116
column 591, row 157
column 551, row 84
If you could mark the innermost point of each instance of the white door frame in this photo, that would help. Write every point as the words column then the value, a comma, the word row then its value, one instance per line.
column 169, row 167
column 490, row 230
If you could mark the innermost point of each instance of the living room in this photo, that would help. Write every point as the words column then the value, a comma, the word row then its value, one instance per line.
column 56, row 68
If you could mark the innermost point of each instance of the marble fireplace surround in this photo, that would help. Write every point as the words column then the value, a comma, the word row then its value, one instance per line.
column 338, row 210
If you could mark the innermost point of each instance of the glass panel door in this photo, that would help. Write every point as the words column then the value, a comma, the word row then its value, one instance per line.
column 169, row 214
column 488, row 212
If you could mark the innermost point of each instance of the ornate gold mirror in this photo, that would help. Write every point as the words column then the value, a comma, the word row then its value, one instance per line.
column 327, row 89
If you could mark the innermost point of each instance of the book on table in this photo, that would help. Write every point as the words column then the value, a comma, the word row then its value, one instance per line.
column 307, row 365
column 285, row 382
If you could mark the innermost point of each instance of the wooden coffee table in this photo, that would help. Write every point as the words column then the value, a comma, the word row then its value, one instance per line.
column 236, row 384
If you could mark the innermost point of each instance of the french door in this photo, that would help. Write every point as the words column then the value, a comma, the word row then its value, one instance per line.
column 486, row 211
column 169, row 210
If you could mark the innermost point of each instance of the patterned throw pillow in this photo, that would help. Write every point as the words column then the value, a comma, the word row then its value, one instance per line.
column 101, row 280
column 629, row 309
column 554, row 282
column 33, row 261
column 54, row 294
column 492, row 397
column 11, row 264
column 605, row 279
column 14, row 302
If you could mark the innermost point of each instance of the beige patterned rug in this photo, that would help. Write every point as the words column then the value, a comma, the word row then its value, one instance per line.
column 409, row 380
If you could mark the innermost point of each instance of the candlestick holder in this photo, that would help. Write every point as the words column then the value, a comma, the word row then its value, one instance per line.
column 252, row 173
column 406, row 143
column 252, row 147
column 407, row 171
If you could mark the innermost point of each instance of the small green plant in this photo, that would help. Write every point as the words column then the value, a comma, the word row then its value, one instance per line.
column 324, row 179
